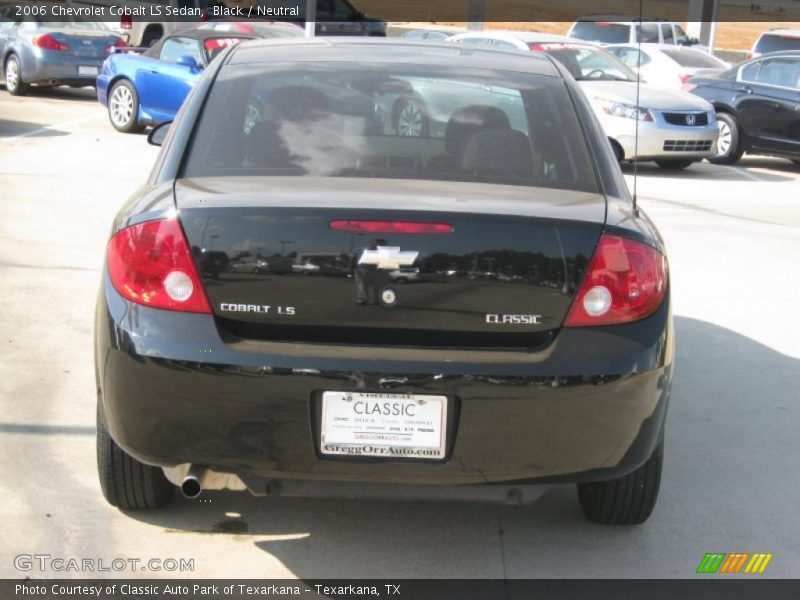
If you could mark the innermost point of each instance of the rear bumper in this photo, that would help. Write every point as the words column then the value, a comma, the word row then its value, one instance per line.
column 173, row 391
column 61, row 67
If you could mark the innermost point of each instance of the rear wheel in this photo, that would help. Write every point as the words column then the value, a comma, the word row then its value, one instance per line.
column 729, row 146
column 410, row 119
column 127, row 483
column 627, row 500
column 674, row 164
column 13, row 76
column 123, row 107
column 619, row 153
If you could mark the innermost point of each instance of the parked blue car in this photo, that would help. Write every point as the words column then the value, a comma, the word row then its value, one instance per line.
column 48, row 53
column 149, row 88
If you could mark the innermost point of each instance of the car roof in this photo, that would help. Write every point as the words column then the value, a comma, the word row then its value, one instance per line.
column 776, row 53
column 525, row 36
column 781, row 31
column 397, row 50
column 622, row 18
column 651, row 46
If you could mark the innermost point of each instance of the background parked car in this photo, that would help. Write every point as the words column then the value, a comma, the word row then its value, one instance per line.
column 624, row 29
column 68, row 52
column 757, row 105
column 334, row 17
column 146, row 89
column 668, row 66
column 675, row 129
column 775, row 40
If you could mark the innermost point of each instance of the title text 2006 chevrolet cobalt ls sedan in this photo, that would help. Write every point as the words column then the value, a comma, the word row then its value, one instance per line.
column 533, row 345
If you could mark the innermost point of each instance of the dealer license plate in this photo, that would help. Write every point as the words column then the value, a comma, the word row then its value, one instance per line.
column 87, row 70
column 384, row 425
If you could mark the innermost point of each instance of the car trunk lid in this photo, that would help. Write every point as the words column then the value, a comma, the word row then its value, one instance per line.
column 358, row 261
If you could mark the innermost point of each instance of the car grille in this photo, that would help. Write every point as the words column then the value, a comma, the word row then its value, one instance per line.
column 687, row 145
column 700, row 119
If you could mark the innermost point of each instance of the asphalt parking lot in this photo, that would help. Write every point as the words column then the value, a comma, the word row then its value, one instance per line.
column 730, row 478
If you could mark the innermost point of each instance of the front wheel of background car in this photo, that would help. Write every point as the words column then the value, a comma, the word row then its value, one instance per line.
column 729, row 147
column 627, row 500
column 123, row 107
column 674, row 164
column 13, row 75
column 126, row 483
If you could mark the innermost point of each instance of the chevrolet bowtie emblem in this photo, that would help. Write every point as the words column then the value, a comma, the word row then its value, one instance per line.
column 388, row 257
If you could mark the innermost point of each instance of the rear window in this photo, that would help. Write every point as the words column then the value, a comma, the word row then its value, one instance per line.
column 393, row 121
column 774, row 43
column 693, row 58
column 605, row 33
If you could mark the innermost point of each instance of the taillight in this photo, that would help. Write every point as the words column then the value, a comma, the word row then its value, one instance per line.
column 150, row 264
column 749, row 56
column 406, row 227
column 126, row 22
column 625, row 281
column 685, row 77
column 119, row 44
column 48, row 42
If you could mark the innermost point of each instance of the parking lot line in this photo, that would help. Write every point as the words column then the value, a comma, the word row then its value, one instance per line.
column 748, row 174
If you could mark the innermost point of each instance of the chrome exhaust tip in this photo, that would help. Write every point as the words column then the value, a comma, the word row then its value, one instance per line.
column 192, row 484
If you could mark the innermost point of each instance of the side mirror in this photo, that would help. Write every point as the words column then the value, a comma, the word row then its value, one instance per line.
column 188, row 61
column 159, row 133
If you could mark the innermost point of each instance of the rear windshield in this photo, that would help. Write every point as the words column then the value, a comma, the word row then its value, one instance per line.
column 391, row 121
column 693, row 58
column 773, row 43
column 605, row 33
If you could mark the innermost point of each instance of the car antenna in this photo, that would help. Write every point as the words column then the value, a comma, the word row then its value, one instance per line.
column 638, row 84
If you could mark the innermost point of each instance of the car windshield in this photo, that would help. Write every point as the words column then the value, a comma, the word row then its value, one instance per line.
column 392, row 121
column 693, row 58
column 774, row 43
column 603, row 32
column 587, row 62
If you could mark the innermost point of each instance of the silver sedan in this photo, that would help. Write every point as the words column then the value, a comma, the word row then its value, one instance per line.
column 41, row 52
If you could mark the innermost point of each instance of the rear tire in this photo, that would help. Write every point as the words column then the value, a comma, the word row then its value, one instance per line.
column 127, row 483
column 729, row 147
column 619, row 153
column 123, row 107
column 12, row 72
column 627, row 500
column 410, row 118
column 674, row 165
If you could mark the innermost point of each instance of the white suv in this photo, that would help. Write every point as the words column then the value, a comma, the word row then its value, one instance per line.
column 775, row 40
column 142, row 31
column 622, row 29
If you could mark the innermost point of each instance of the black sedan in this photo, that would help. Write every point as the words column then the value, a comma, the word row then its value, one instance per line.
column 554, row 367
column 757, row 105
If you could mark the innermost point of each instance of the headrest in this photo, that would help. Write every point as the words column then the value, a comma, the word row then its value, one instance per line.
column 297, row 102
column 467, row 120
column 266, row 148
column 500, row 153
